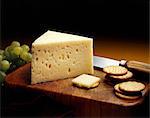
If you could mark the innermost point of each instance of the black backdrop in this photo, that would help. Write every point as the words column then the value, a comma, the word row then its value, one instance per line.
column 126, row 19
column 112, row 18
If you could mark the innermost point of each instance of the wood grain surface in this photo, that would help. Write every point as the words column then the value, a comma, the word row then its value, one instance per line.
column 103, row 93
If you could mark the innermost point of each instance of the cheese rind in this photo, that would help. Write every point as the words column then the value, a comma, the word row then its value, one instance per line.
column 58, row 56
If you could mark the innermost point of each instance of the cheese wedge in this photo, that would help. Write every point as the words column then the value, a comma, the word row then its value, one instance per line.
column 59, row 56
column 87, row 81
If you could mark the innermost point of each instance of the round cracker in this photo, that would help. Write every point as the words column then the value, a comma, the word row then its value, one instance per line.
column 126, row 96
column 131, row 86
column 126, row 76
column 116, row 81
column 116, row 88
column 115, row 70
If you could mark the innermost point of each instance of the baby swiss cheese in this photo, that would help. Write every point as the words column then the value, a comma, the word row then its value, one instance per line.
column 59, row 55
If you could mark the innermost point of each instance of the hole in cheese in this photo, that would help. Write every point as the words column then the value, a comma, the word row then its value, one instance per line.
column 69, row 70
column 68, row 56
column 49, row 65
column 63, row 57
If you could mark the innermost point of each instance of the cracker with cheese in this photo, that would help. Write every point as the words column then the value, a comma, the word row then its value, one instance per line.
column 87, row 81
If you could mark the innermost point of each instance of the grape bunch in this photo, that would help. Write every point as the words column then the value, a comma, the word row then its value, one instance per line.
column 12, row 57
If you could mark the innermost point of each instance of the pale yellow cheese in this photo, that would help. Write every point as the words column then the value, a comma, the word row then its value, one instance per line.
column 60, row 55
column 87, row 81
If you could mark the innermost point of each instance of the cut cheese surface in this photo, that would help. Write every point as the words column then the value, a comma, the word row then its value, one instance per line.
column 53, row 37
column 85, row 80
column 58, row 56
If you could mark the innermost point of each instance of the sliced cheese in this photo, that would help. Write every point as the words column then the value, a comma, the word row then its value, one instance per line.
column 87, row 81
column 59, row 55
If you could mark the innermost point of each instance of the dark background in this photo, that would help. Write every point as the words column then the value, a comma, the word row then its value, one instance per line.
column 119, row 27
column 105, row 18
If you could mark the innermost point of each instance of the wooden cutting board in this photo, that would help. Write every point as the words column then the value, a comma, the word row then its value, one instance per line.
column 21, row 78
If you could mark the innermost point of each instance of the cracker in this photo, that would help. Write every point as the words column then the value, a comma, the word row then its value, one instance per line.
column 115, row 81
column 115, row 70
column 126, row 96
column 131, row 86
column 127, row 76
column 116, row 88
column 95, row 85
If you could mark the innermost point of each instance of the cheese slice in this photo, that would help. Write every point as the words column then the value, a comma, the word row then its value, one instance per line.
column 87, row 81
column 58, row 55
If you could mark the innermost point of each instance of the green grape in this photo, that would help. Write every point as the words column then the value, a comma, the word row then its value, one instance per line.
column 2, row 77
column 7, row 54
column 6, row 49
column 25, row 47
column 11, row 52
column 0, row 66
column 10, row 48
column 29, row 57
column 1, row 52
column 24, row 55
column 15, row 44
column 17, row 50
column 1, row 58
column 13, row 55
column 5, row 65
column 10, row 55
